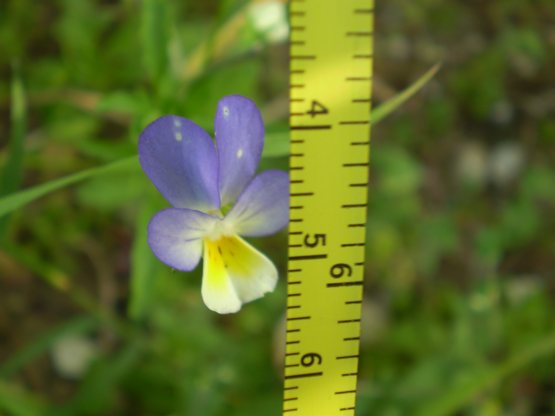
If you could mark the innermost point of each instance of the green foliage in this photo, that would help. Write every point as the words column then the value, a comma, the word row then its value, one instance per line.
column 459, row 311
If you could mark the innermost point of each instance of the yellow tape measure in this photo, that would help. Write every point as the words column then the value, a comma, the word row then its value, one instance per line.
column 331, row 72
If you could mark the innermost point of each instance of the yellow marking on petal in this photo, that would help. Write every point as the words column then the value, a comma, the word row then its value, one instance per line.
column 178, row 136
column 218, row 292
column 234, row 273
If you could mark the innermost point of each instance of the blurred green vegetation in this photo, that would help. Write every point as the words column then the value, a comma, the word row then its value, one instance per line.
column 459, row 312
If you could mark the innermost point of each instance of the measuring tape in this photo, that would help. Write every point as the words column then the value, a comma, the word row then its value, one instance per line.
column 331, row 72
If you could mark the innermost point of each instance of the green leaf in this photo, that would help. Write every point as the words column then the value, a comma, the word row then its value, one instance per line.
column 451, row 402
column 40, row 345
column 389, row 106
column 19, row 199
column 17, row 402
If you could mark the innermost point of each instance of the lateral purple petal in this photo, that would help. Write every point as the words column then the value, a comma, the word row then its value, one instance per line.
column 240, row 138
column 180, row 159
column 263, row 208
column 175, row 236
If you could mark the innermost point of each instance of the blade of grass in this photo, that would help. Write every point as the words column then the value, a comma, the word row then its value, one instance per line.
column 11, row 202
column 19, row 199
column 450, row 402
column 390, row 105
column 12, row 173
column 277, row 143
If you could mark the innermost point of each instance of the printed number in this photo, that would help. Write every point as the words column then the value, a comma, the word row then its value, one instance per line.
column 340, row 269
column 316, row 108
column 314, row 240
column 311, row 358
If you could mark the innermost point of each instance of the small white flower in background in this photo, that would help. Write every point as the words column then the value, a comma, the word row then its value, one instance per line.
column 72, row 355
column 506, row 163
column 270, row 18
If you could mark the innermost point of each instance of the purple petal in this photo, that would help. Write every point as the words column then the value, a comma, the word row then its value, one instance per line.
column 180, row 159
column 263, row 208
column 175, row 236
column 240, row 138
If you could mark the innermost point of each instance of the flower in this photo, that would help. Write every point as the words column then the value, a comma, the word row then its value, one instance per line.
column 216, row 197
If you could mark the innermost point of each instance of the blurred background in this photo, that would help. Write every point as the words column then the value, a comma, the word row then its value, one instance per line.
column 460, row 296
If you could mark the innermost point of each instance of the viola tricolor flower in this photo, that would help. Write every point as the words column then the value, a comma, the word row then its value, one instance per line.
column 216, row 197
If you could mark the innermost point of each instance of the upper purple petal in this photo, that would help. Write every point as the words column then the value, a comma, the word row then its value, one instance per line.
column 263, row 208
column 180, row 159
column 240, row 138
column 175, row 236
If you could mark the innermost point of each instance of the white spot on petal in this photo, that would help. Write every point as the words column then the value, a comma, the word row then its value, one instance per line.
column 178, row 136
column 239, row 153
column 176, row 122
column 225, row 110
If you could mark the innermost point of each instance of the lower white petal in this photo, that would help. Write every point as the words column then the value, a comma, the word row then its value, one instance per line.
column 234, row 273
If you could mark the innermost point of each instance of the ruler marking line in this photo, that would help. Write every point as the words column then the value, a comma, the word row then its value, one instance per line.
column 342, row 284
column 299, row 318
column 303, row 375
column 354, row 122
column 346, row 392
column 348, row 321
column 360, row 33
column 352, row 165
column 364, row 205
column 311, row 127
column 347, row 357
column 309, row 257
column 364, row 11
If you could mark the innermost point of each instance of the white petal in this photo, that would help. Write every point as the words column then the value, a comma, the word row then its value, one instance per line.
column 235, row 273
